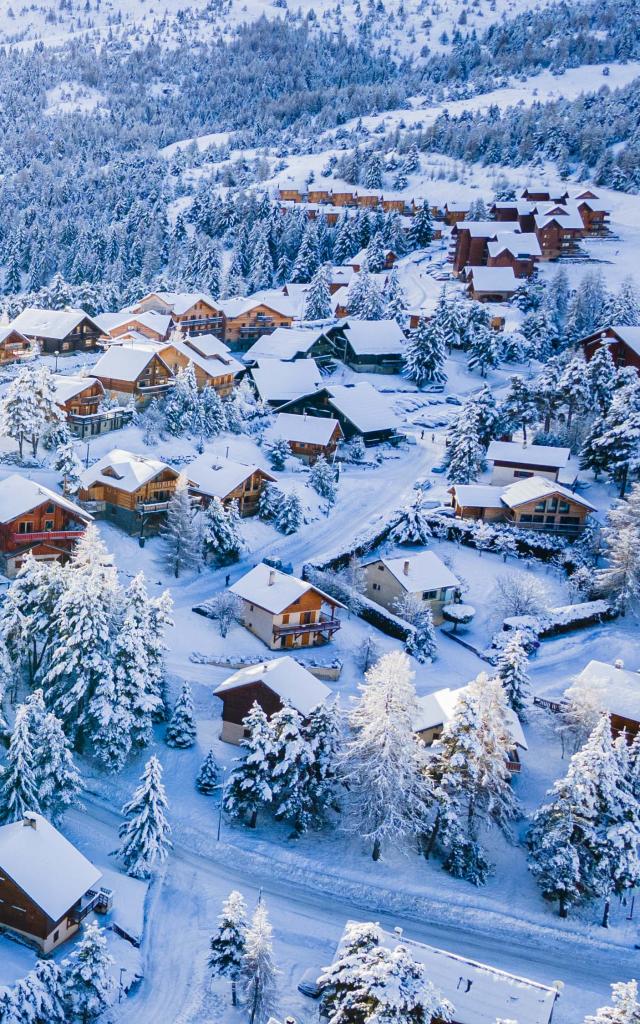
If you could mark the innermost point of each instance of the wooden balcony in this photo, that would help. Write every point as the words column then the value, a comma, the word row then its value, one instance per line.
column 32, row 538
column 324, row 624
column 155, row 389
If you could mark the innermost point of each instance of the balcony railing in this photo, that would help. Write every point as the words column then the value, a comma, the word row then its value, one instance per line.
column 150, row 389
column 148, row 507
column 322, row 625
column 562, row 528
column 19, row 538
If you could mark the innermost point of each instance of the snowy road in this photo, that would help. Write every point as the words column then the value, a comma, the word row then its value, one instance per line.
column 307, row 925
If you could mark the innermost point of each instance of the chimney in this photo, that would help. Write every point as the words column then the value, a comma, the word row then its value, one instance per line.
column 618, row 663
column 30, row 820
column 272, row 577
column 398, row 931
column 405, row 567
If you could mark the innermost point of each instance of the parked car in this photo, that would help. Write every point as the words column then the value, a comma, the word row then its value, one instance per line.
column 438, row 469
column 308, row 984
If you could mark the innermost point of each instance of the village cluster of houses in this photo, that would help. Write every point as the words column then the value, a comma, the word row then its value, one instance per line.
column 494, row 255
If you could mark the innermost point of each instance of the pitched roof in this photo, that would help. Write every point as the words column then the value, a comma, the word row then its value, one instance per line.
column 293, row 683
column 279, row 381
column 425, row 571
column 437, row 709
column 630, row 336
column 493, row 279
column 46, row 866
column 619, row 688
column 480, row 994
column 276, row 595
column 217, row 476
column 207, row 345
column 157, row 322
column 538, row 487
column 68, row 386
column 6, row 330
column 126, row 362
column 284, row 343
column 565, row 215
column 487, row 228
column 49, row 323
column 528, row 455
column 363, row 406
column 374, row 337
column 126, row 471
column 303, row 429
column 478, row 495
column 271, row 298
column 523, row 244
column 178, row 302
column 19, row 495
column 217, row 364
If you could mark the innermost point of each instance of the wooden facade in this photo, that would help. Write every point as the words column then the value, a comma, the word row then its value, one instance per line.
column 522, row 266
column 553, row 513
column 209, row 373
column 310, row 453
column 49, row 532
column 556, row 239
column 141, row 511
column 85, row 402
column 14, row 346
column 243, row 330
column 155, row 379
column 622, row 353
column 246, row 494
column 237, row 703
column 304, row 623
column 84, row 337
column 22, row 915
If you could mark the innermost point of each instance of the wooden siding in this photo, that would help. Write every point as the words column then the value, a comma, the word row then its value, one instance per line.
column 46, row 518
column 85, row 402
column 217, row 375
column 161, row 488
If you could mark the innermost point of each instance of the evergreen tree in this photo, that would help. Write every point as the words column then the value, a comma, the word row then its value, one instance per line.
column 323, row 480
column 395, row 298
column 278, row 451
column 573, row 388
column 221, row 531
column 511, row 669
column 68, row 464
column 382, row 764
column 373, row 172
column 292, row 770
column 318, row 305
column 421, row 639
column 519, row 407
column 250, row 785
column 613, row 443
column 623, row 308
column 207, row 778
column 601, row 377
column 588, row 308
column 58, row 779
column 181, row 532
column 465, row 454
column 374, row 256
column 290, row 515
column 484, row 350
column 269, row 502
column 364, row 299
column 322, row 731
column 228, row 944
column 181, row 406
column 421, row 228
column 87, row 979
column 146, row 835
column 425, row 355
column 18, row 782
column 307, row 260
column 181, row 730
column 411, row 524
column 18, row 409
column 625, row 1008
column 259, row 972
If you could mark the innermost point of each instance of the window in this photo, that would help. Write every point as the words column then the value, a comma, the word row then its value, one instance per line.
column 305, row 618
column 570, row 520
column 552, row 505
column 25, row 528
column 376, row 586
column 48, row 524
column 429, row 595
column 285, row 618
column 564, row 506
column 381, row 568
column 539, row 507
column 521, row 474
column 56, row 935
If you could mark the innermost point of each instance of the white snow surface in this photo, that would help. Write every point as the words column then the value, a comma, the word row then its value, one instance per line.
column 424, row 571
column 303, row 429
column 19, row 495
column 130, row 471
column 274, row 590
column 293, row 683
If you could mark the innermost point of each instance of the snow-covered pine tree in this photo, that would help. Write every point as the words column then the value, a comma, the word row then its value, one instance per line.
column 465, row 454
column 484, row 350
column 625, row 1006
column 87, row 979
column 556, row 859
column 39, row 997
column 375, row 253
column 619, row 578
column 228, row 944
column 57, row 777
column 135, row 687
column 420, row 232
column 68, row 464
column 421, row 640
column 18, row 782
column 511, row 669
column 278, row 451
column 587, row 309
column 519, row 407
column 307, row 260
column 207, row 777
column 601, row 378
column 382, row 762
column 364, row 299
column 292, row 770
column 290, row 515
column 181, row 406
column 146, row 835
column 220, row 531
column 19, row 410
column 613, row 443
column 318, row 305
column 322, row 478
column 322, row 730
column 373, row 172
column 425, row 355
column 269, row 502
column 573, row 388
column 411, row 524
column 250, row 787
column 181, row 730
column 259, row 972
column 181, row 532
column 623, row 308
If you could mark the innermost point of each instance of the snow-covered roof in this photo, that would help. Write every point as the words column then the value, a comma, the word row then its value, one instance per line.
column 528, row 455
column 619, row 688
column 217, row 476
column 566, row 216
column 272, row 298
column 6, row 330
column 218, row 364
column 293, row 683
column 125, row 471
column 49, row 323
column 45, row 865
column 436, row 709
column 374, row 337
column 177, row 302
column 424, row 571
column 493, row 279
column 279, row 381
column 537, row 487
column 125, row 362
column 629, row 335
column 488, row 228
column 522, row 206
column 341, row 275
column 67, row 387
column 274, row 590
column 153, row 321
column 479, row 993
column 19, row 495
column 363, row 406
column 361, row 256
column 207, row 345
column 458, row 207
column 524, row 244
column 478, row 495
column 285, row 343
column 303, row 429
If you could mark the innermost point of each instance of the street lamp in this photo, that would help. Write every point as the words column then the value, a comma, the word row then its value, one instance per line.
column 56, row 354
column 222, row 791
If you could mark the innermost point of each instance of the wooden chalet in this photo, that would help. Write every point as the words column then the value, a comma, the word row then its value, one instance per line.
column 80, row 399
column 424, row 577
column 368, row 346
column 47, row 886
column 436, row 709
column 595, row 213
column 291, row 195
column 559, row 230
column 308, row 437
column 213, row 364
column 512, row 460
column 213, row 476
column 14, row 346
column 60, row 331
column 136, row 370
column 271, row 685
column 476, row 992
column 518, row 250
column 132, row 491
column 278, row 383
column 455, row 212
column 194, row 312
column 284, row 611
column 150, row 325
column 617, row 690
column 531, row 504
column 360, row 409
column 623, row 343
column 358, row 261
column 247, row 319
column 542, row 194
column 492, row 284
column 469, row 246
column 289, row 344
column 35, row 520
